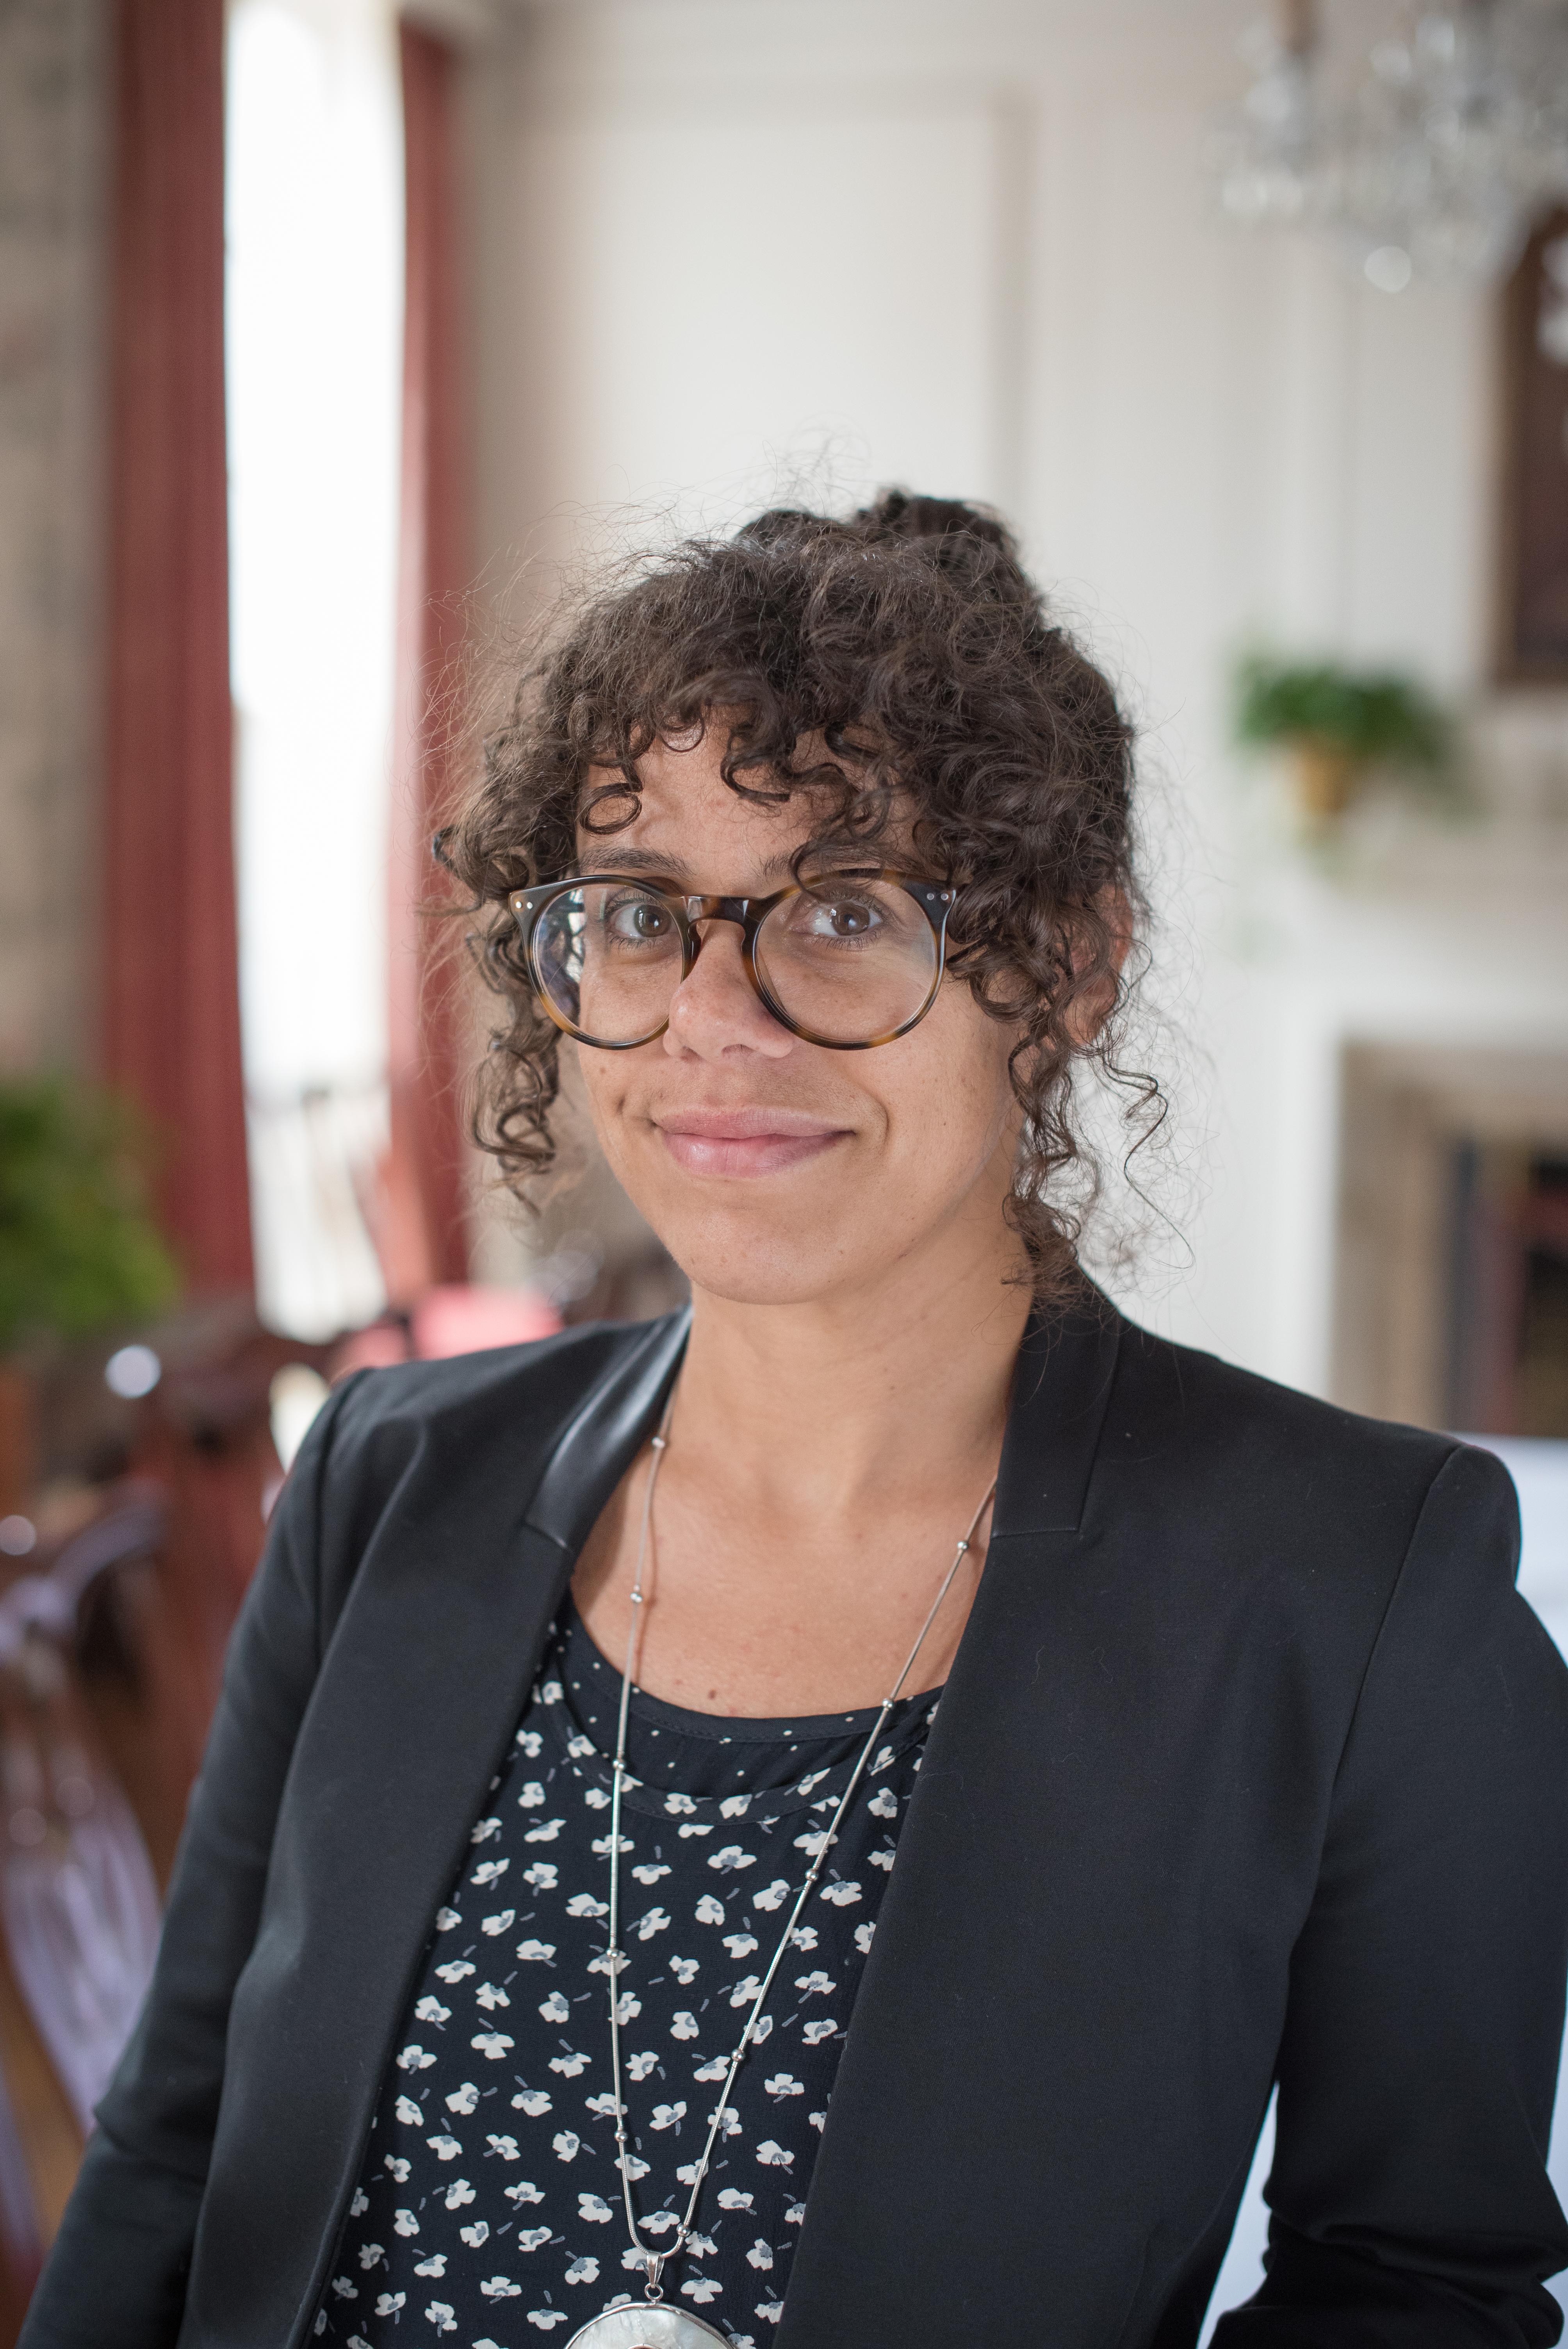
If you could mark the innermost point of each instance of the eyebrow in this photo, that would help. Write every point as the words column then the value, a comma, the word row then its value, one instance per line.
column 644, row 860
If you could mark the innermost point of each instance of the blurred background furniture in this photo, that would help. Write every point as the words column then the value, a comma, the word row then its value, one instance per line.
column 123, row 1560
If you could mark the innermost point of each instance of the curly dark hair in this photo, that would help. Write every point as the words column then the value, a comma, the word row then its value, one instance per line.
column 898, row 662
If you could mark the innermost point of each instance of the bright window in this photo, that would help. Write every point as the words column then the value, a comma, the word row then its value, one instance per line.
column 315, row 358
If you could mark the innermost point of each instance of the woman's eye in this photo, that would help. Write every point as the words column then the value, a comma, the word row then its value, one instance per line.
column 842, row 918
column 638, row 919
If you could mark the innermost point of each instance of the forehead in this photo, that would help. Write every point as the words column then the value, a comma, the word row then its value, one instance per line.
column 690, row 822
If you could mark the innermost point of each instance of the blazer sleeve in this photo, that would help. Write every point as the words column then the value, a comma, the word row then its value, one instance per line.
column 1412, row 2208
column 116, row 2276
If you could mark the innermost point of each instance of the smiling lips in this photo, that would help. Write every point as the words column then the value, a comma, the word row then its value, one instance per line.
column 744, row 1140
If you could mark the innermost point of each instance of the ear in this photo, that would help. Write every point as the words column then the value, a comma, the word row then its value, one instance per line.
column 1108, row 943
column 1115, row 912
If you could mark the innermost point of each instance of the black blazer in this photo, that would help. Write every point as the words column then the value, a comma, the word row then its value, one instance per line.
column 1253, row 1766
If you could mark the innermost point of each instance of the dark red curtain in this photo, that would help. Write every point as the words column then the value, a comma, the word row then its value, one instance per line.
column 171, row 1009
column 425, row 1237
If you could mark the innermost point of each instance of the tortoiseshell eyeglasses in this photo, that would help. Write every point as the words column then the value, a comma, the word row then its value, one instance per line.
column 851, row 959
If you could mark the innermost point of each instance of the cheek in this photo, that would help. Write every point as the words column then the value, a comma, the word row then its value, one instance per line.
column 968, row 1054
column 950, row 1105
column 598, row 1081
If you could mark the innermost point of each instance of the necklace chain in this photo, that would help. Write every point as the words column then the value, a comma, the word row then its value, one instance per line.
column 616, row 1958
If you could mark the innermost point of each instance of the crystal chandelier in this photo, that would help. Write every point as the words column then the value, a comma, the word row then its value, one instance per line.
column 1440, row 165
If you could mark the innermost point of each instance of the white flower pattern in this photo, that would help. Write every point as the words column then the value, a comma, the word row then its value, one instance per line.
column 551, row 2244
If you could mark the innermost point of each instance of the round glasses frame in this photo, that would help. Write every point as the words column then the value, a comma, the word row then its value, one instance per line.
column 935, row 900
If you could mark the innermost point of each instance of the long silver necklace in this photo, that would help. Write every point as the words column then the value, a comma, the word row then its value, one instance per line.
column 655, row 2324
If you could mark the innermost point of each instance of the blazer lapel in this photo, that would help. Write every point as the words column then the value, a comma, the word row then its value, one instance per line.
column 605, row 1435
column 901, row 2209
column 418, row 1695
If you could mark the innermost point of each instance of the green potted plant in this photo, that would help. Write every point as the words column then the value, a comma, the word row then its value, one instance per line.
column 1339, row 725
column 79, row 1249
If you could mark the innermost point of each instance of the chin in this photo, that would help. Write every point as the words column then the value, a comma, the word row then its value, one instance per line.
column 745, row 1284
column 734, row 1244
column 749, row 1269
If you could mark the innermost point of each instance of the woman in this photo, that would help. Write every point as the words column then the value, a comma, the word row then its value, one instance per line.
column 537, row 1965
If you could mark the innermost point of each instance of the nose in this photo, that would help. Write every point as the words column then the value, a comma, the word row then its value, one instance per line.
column 715, row 1010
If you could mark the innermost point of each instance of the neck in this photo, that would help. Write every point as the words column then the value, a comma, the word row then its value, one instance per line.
column 831, row 1407
column 824, row 1457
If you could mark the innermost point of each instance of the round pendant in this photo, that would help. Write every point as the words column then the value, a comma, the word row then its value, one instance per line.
column 645, row 2325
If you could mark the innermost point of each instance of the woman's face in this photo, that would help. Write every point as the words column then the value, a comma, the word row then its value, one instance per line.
column 775, row 1171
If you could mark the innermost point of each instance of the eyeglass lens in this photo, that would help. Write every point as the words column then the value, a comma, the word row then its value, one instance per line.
column 848, row 961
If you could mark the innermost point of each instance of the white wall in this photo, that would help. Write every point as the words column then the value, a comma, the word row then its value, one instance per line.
column 967, row 247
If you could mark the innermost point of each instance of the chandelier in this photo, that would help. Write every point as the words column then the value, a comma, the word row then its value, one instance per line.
column 1440, row 164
